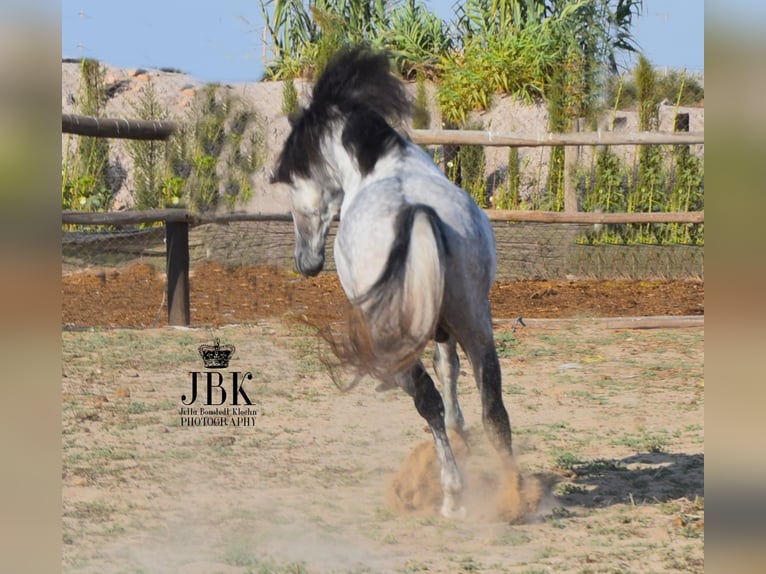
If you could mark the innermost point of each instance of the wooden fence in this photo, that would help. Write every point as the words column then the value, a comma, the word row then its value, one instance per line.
column 178, row 221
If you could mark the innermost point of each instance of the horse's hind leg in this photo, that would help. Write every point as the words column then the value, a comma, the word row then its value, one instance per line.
column 428, row 402
column 447, row 367
column 486, row 368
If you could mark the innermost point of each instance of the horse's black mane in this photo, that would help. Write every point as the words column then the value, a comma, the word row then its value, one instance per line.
column 357, row 88
column 359, row 75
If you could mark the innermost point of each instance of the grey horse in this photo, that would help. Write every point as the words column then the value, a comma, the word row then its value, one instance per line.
column 414, row 254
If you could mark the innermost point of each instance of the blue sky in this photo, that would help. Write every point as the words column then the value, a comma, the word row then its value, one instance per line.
column 221, row 41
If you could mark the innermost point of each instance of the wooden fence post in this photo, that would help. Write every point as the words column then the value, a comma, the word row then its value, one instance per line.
column 177, row 250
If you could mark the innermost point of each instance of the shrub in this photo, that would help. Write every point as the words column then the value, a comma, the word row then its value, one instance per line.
column 85, row 171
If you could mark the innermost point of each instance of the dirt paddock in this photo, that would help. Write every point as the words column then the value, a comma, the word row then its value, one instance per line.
column 134, row 297
column 608, row 431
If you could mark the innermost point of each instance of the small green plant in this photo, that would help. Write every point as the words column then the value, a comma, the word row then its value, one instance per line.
column 421, row 117
column 566, row 460
column 506, row 342
column 469, row 564
column 568, row 488
column 289, row 97
column 149, row 157
column 137, row 408
column 466, row 169
column 85, row 170
column 508, row 195
column 645, row 441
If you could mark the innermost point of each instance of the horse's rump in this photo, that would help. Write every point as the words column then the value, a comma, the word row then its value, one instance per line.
column 391, row 323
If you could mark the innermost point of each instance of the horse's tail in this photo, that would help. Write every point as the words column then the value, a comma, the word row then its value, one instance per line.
column 390, row 325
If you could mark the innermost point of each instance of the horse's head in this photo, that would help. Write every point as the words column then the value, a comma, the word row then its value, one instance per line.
column 336, row 141
column 315, row 195
column 313, row 210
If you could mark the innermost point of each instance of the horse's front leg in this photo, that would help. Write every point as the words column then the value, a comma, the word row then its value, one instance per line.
column 419, row 385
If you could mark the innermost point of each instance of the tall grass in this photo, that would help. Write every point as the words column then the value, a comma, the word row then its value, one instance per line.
column 289, row 97
column 149, row 156
column 660, row 178
column 510, row 198
column 85, row 163
column 467, row 169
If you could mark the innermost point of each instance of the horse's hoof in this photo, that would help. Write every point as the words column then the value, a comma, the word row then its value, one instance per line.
column 453, row 513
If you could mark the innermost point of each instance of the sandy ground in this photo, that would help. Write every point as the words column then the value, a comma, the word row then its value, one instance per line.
column 608, row 424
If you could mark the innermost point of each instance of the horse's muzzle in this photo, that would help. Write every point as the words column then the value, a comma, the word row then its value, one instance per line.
column 309, row 265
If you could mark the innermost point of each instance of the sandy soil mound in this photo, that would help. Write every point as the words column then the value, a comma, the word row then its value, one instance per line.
column 492, row 491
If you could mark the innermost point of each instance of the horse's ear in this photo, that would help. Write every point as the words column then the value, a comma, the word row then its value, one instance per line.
column 294, row 117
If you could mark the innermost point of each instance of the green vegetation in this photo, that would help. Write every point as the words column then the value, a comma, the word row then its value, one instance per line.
column 302, row 39
column 491, row 46
column 507, row 196
column 204, row 166
column 467, row 167
column 562, row 53
column 184, row 171
column 661, row 180
column 672, row 86
column 289, row 97
column 149, row 157
column 85, row 163
column 219, row 130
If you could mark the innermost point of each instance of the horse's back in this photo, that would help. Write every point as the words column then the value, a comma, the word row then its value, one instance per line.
column 367, row 229
column 470, row 238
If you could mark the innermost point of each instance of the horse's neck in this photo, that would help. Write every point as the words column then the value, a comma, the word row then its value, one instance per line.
column 347, row 172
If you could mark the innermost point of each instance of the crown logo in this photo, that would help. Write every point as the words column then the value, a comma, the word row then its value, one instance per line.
column 216, row 356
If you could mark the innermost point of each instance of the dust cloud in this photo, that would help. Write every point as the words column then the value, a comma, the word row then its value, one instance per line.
column 492, row 490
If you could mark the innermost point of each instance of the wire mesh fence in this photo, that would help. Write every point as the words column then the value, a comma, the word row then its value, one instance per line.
column 526, row 250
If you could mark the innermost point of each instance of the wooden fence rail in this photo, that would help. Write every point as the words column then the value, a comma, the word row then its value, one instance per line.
column 488, row 138
column 159, row 130
column 117, row 128
column 130, row 217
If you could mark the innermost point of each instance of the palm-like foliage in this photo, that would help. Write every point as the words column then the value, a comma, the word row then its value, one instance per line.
column 301, row 35
column 290, row 29
column 526, row 46
column 416, row 38
column 510, row 45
